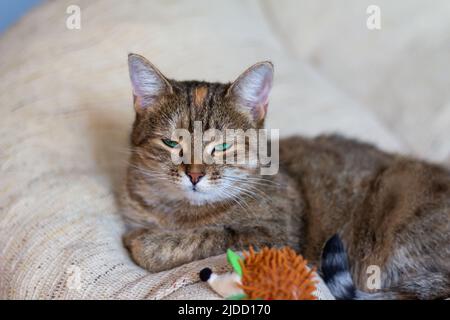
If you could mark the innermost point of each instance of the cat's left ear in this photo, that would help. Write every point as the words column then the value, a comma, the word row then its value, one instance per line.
column 251, row 89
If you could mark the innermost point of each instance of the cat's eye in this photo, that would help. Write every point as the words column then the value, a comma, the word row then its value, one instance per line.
column 170, row 143
column 222, row 147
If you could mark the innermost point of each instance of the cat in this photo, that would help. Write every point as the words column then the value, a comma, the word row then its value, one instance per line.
column 389, row 210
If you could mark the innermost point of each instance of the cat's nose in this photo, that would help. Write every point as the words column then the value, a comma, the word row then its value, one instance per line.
column 195, row 177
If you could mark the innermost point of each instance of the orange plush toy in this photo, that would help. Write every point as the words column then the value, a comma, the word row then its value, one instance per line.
column 271, row 274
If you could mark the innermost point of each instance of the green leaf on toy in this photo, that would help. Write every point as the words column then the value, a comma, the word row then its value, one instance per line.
column 233, row 259
column 239, row 296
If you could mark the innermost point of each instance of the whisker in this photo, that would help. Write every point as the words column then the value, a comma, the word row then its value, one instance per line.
column 237, row 200
column 247, row 192
column 252, row 179
column 250, row 183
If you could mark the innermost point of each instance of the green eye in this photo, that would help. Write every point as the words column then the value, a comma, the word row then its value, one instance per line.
column 222, row 147
column 170, row 143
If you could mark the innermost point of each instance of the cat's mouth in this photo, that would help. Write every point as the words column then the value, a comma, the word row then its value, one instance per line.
column 197, row 197
column 197, row 190
column 194, row 189
column 201, row 193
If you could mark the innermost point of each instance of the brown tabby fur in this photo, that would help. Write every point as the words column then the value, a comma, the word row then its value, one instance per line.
column 390, row 210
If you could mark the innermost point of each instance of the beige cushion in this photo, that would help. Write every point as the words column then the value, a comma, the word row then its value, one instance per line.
column 400, row 72
column 66, row 112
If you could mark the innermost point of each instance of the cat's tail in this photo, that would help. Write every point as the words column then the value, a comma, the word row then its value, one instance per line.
column 335, row 271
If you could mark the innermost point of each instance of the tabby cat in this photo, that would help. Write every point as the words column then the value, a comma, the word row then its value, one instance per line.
column 389, row 210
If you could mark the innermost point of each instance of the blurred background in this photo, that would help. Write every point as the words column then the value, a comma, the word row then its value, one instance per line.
column 11, row 11
column 373, row 70
column 325, row 53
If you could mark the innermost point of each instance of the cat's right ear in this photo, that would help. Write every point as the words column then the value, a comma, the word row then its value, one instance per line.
column 148, row 83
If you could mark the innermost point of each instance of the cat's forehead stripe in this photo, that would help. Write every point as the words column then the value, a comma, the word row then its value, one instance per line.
column 200, row 94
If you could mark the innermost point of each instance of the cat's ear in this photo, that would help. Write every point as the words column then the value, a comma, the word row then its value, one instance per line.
column 251, row 89
column 148, row 83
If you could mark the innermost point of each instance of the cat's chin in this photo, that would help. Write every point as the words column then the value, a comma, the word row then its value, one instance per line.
column 200, row 198
column 199, row 195
column 204, row 197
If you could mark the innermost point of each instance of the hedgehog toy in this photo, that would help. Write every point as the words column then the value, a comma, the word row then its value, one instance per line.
column 270, row 274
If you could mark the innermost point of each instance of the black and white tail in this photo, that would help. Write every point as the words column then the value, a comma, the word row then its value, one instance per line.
column 337, row 276
column 336, row 273
column 336, row 270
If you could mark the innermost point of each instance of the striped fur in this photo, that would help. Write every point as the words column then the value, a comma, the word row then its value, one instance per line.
column 391, row 211
column 336, row 273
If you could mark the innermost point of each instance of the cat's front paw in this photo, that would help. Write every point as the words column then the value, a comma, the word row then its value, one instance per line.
column 154, row 251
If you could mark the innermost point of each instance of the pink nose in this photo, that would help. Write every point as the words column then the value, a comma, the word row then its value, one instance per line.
column 195, row 177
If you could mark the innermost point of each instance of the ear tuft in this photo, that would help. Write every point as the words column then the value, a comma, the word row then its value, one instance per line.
column 252, row 89
column 147, row 81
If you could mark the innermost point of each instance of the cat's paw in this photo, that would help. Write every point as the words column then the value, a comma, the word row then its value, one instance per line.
column 152, row 251
column 130, row 238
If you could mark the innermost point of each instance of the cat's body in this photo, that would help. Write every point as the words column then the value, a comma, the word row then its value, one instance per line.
column 390, row 211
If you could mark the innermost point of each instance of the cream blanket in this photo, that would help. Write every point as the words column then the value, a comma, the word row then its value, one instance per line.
column 66, row 112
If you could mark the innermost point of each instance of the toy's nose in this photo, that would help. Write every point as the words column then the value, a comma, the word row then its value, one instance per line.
column 195, row 177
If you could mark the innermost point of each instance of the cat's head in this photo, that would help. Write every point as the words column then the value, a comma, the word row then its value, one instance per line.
column 163, row 105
